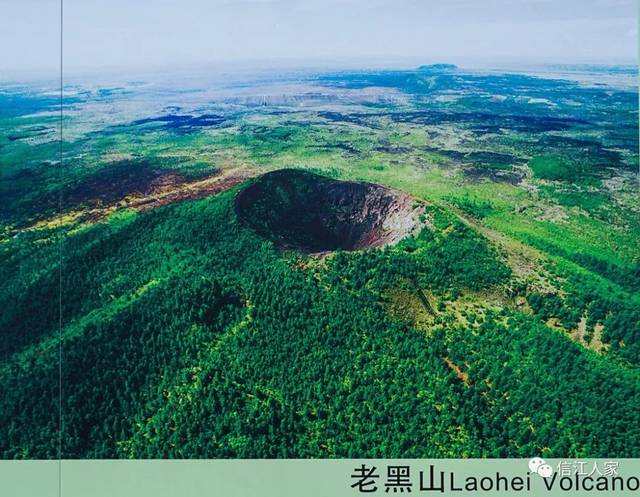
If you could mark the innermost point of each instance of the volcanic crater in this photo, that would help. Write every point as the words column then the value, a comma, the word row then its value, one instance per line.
column 303, row 211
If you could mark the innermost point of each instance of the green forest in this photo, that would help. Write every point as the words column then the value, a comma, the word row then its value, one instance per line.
column 430, row 262
column 187, row 335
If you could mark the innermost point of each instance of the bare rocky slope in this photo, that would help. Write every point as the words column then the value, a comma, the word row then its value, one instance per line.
column 314, row 214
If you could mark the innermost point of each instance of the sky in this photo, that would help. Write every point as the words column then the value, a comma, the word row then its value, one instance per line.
column 110, row 34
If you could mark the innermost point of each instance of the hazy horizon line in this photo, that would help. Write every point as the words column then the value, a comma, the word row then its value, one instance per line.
column 311, row 64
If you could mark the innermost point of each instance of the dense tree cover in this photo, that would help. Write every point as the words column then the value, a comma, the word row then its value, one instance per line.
column 599, row 303
column 455, row 256
column 187, row 335
column 626, row 275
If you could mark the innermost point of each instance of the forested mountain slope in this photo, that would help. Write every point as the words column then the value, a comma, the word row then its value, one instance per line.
column 186, row 334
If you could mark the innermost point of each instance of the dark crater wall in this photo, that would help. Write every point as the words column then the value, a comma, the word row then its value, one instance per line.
column 304, row 211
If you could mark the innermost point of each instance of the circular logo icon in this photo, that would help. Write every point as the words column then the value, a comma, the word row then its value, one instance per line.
column 545, row 470
column 538, row 466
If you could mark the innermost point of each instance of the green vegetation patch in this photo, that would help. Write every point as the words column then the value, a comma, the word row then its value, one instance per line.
column 552, row 167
